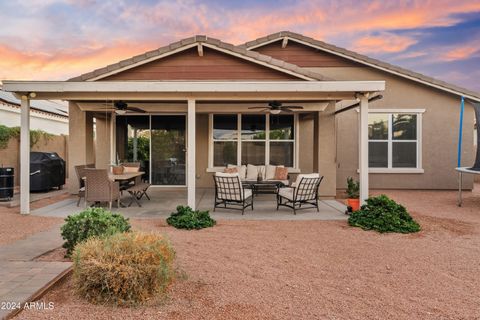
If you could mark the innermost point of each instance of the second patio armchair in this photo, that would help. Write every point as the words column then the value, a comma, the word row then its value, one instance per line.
column 99, row 188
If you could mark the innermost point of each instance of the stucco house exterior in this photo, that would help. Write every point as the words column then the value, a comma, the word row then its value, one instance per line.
column 199, row 104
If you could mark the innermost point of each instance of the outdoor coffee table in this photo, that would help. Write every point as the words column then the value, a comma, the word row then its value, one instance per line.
column 263, row 187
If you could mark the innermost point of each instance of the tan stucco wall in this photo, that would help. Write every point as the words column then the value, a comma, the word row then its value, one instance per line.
column 10, row 156
column 439, row 134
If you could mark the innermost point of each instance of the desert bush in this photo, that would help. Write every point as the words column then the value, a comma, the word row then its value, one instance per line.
column 383, row 215
column 124, row 268
column 186, row 218
column 89, row 223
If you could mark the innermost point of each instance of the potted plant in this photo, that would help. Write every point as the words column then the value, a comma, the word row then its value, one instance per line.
column 353, row 194
column 116, row 167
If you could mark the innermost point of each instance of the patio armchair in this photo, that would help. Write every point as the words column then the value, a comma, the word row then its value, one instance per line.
column 303, row 192
column 230, row 192
column 99, row 188
column 79, row 170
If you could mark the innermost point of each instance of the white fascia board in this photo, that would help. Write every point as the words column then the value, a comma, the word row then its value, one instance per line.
column 190, row 86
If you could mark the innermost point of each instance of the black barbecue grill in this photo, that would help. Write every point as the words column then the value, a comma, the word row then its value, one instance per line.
column 47, row 171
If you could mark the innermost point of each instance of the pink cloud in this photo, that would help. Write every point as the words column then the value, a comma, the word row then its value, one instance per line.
column 461, row 53
column 385, row 43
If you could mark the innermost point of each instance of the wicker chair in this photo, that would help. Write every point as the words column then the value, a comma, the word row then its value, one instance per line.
column 301, row 193
column 99, row 188
column 229, row 191
column 79, row 170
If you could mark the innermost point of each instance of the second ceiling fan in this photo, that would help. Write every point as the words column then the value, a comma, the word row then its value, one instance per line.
column 275, row 107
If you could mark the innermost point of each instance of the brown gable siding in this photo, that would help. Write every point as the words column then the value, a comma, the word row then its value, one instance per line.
column 188, row 65
column 303, row 56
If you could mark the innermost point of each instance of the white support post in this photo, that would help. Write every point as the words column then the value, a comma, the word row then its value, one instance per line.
column 191, row 154
column 363, row 148
column 25, row 156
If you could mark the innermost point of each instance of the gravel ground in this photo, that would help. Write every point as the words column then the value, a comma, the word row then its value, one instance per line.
column 15, row 226
column 314, row 270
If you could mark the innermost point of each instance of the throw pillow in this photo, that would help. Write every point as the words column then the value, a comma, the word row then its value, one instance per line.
column 281, row 173
column 230, row 170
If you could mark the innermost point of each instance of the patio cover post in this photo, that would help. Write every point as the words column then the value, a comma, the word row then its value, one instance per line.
column 191, row 154
column 363, row 148
column 25, row 156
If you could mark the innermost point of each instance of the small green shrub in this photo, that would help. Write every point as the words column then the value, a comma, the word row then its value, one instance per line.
column 124, row 268
column 383, row 215
column 89, row 223
column 186, row 218
column 353, row 188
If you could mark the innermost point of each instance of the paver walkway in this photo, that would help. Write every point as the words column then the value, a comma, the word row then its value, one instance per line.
column 21, row 276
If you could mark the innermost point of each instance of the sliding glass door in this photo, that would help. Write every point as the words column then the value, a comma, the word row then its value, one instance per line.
column 168, row 150
column 157, row 142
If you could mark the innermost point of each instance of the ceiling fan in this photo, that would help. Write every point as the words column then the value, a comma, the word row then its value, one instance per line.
column 275, row 107
column 121, row 107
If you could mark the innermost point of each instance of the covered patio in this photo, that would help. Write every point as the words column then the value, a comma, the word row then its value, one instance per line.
column 163, row 202
column 192, row 99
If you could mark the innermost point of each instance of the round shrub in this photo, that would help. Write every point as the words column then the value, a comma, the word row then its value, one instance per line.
column 383, row 215
column 124, row 268
column 186, row 218
column 89, row 223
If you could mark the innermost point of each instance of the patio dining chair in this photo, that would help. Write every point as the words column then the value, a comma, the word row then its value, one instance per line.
column 99, row 188
column 79, row 170
column 230, row 192
column 303, row 194
column 138, row 190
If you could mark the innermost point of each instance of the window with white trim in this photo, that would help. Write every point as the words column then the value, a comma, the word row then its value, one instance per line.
column 394, row 140
column 256, row 139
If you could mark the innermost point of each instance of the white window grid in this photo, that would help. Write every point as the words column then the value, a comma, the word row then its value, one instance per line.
column 390, row 140
column 239, row 139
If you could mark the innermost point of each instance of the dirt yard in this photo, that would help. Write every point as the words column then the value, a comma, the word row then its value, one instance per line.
column 15, row 226
column 315, row 270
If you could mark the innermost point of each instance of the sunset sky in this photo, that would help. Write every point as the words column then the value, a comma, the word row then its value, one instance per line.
column 58, row 39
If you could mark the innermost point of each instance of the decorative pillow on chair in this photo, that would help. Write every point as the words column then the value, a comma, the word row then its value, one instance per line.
column 230, row 170
column 131, row 169
column 281, row 173
column 242, row 170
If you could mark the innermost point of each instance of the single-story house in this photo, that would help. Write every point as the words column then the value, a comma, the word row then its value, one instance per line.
column 193, row 107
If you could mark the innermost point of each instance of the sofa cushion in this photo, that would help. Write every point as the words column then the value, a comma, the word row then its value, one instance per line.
column 286, row 193
column 305, row 175
column 252, row 172
column 270, row 172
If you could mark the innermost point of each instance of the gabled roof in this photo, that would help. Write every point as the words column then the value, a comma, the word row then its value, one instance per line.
column 45, row 106
column 200, row 40
column 353, row 56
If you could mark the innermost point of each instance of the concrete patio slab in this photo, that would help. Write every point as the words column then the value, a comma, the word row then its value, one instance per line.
column 164, row 201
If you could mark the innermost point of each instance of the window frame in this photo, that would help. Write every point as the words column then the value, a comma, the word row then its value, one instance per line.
column 390, row 141
column 239, row 140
